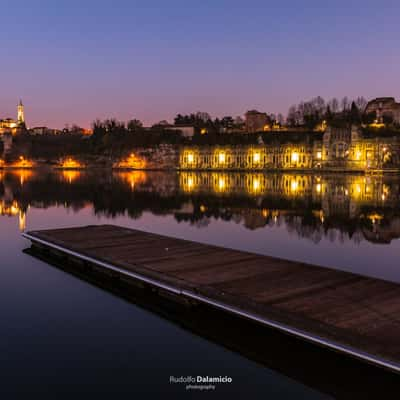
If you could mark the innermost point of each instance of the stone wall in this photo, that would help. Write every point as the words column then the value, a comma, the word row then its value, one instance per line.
column 160, row 157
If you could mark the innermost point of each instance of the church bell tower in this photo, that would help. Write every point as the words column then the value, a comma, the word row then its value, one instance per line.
column 21, row 113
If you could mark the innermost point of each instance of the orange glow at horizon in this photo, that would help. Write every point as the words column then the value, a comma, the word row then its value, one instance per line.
column 70, row 163
column 132, row 162
column 22, row 163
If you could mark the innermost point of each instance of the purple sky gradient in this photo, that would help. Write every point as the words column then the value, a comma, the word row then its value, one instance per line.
column 74, row 61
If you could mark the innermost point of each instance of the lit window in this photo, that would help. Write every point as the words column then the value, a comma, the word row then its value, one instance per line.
column 190, row 158
column 256, row 158
column 319, row 155
column 221, row 158
column 295, row 157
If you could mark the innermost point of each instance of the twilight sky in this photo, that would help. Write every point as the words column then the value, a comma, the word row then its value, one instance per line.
column 74, row 61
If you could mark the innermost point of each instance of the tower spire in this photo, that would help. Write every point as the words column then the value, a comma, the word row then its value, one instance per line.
column 21, row 113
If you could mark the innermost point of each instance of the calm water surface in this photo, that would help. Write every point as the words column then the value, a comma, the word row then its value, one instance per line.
column 62, row 335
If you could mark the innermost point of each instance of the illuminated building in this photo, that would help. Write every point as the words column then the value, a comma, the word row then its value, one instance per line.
column 384, row 108
column 335, row 149
column 13, row 125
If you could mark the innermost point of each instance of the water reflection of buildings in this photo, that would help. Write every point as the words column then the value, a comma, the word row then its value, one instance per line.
column 250, row 184
column 311, row 205
column 337, row 207
column 12, row 209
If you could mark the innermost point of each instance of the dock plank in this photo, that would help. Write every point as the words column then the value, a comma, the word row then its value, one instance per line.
column 351, row 310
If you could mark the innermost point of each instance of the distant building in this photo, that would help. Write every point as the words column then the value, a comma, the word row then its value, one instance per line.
column 43, row 130
column 13, row 125
column 255, row 121
column 39, row 130
column 186, row 130
column 384, row 107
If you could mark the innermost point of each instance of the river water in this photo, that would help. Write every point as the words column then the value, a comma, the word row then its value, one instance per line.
column 63, row 336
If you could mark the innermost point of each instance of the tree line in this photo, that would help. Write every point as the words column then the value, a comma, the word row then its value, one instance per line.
column 334, row 112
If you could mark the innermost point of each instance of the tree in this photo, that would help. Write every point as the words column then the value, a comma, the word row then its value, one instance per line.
column 280, row 119
column 345, row 103
column 328, row 113
column 361, row 103
column 203, row 116
column 334, row 105
column 369, row 118
column 355, row 116
column 292, row 117
column 387, row 119
column 134, row 125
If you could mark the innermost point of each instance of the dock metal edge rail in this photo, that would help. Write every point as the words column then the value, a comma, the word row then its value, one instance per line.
column 226, row 307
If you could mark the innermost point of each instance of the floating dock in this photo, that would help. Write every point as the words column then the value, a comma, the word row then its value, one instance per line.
column 349, row 313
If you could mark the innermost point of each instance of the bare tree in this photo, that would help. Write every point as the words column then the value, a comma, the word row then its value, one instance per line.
column 345, row 103
column 280, row 119
column 361, row 103
column 334, row 105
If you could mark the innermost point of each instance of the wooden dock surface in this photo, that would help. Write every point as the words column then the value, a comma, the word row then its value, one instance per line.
column 350, row 313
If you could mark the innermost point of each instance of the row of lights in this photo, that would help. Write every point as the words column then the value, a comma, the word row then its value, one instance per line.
column 256, row 157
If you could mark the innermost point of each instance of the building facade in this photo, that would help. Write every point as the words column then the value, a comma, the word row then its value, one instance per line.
column 335, row 149
column 384, row 107
column 10, row 125
column 255, row 121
